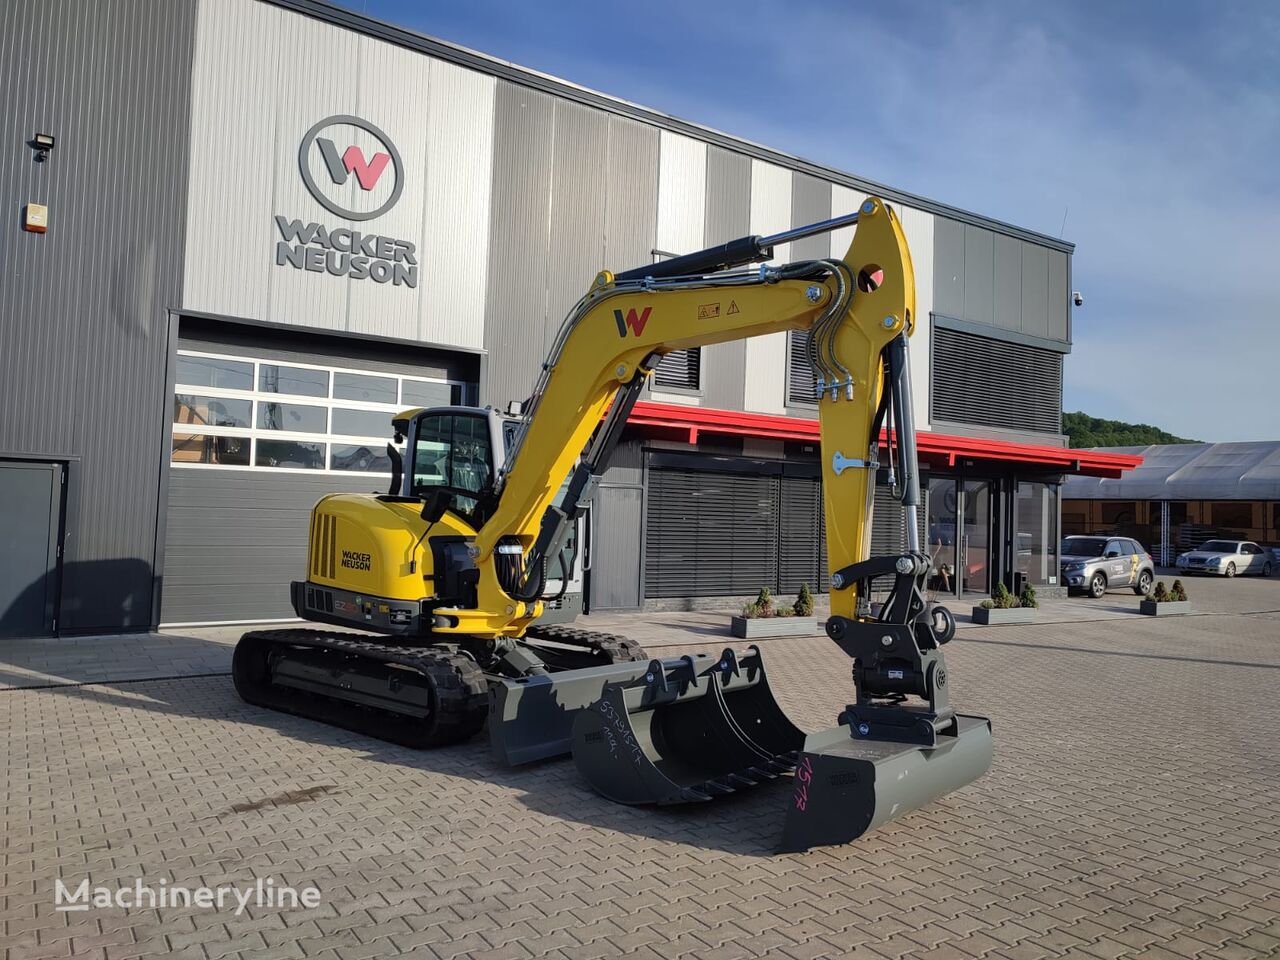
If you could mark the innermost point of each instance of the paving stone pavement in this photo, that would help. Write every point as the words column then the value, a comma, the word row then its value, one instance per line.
column 1131, row 811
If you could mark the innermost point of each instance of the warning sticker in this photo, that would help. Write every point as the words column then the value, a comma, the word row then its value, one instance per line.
column 709, row 310
column 733, row 308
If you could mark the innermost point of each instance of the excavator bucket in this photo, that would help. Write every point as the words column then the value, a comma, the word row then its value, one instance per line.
column 531, row 718
column 847, row 784
column 686, row 730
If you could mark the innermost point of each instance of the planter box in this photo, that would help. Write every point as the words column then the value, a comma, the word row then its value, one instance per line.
column 1169, row 608
column 992, row 617
column 762, row 628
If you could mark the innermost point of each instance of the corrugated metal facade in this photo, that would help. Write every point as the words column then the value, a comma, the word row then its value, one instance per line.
column 83, row 316
column 514, row 189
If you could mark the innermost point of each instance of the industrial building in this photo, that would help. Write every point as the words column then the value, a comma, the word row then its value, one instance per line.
column 1182, row 495
column 233, row 256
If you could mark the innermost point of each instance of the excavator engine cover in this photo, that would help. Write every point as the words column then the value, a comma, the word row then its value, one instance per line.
column 847, row 783
column 686, row 730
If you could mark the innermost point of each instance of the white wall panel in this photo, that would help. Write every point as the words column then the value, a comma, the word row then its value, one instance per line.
column 766, row 363
column 455, row 237
column 262, row 77
column 682, row 193
column 918, row 227
column 301, row 296
column 843, row 200
column 394, row 86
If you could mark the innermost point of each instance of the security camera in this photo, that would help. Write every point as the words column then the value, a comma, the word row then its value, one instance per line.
column 1077, row 298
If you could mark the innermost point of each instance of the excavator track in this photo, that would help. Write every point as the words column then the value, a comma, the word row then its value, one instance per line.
column 413, row 696
column 589, row 648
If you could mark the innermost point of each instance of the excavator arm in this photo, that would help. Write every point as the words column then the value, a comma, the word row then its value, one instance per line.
column 853, row 309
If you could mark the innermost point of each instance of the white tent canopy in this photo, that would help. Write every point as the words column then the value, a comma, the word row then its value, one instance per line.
column 1189, row 471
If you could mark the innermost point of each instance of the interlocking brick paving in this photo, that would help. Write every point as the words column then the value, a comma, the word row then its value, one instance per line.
column 1131, row 811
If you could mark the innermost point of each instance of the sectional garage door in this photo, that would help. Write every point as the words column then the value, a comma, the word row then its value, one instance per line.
column 729, row 527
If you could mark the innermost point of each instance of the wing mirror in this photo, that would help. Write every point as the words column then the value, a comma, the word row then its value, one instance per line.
column 434, row 505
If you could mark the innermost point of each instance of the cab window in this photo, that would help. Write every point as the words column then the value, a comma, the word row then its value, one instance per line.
column 1113, row 549
column 1126, row 548
column 452, row 452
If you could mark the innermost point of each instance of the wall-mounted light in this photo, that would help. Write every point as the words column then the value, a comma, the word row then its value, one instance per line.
column 41, row 143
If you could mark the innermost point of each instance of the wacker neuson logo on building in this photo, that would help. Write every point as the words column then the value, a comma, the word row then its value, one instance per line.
column 354, row 171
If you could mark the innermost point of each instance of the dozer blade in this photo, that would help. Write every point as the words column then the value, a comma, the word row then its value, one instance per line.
column 532, row 718
column 684, row 731
column 846, row 786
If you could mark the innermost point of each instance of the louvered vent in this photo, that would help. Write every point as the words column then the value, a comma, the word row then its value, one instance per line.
column 323, row 544
column 800, row 379
column 680, row 368
column 994, row 383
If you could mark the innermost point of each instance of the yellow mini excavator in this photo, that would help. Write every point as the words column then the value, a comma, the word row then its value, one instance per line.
column 451, row 566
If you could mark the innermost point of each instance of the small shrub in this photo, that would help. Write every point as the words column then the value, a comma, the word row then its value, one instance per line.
column 1161, row 594
column 1002, row 598
column 764, row 600
column 988, row 604
column 784, row 611
column 751, row 611
column 1178, row 591
column 1028, row 596
column 804, row 602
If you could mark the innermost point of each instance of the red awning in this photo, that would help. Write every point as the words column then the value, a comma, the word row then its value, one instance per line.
column 942, row 449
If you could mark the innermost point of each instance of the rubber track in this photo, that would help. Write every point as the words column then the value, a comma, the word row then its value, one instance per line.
column 462, row 694
column 616, row 648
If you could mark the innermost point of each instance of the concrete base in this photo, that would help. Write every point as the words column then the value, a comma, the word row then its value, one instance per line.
column 762, row 628
column 990, row 617
column 1168, row 608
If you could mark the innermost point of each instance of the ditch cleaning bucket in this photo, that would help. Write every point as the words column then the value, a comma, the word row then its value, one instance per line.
column 686, row 731
column 847, row 784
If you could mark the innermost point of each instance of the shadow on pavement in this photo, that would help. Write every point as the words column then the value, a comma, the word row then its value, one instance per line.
column 748, row 824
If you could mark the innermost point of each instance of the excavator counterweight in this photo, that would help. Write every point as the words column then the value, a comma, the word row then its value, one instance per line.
column 453, row 566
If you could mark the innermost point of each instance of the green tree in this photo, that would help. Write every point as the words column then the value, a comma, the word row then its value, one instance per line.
column 1085, row 431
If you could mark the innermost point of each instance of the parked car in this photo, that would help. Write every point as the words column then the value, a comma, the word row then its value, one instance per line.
column 1226, row 558
column 1094, row 565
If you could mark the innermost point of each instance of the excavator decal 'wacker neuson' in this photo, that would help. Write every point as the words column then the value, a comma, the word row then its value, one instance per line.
column 452, row 564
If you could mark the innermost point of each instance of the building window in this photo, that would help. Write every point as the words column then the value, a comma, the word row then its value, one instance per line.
column 238, row 412
column 681, row 369
column 994, row 383
column 1036, row 515
column 801, row 384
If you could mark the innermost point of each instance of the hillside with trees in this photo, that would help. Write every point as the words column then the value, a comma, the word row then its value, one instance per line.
column 1086, row 431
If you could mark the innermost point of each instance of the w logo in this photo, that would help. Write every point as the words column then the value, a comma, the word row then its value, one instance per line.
column 352, row 162
column 633, row 321
column 367, row 152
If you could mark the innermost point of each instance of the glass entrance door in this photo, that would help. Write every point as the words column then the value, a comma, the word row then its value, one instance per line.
column 974, row 539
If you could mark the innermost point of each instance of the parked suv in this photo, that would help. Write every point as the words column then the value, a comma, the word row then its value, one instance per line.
column 1094, row 565
column 1226, row 558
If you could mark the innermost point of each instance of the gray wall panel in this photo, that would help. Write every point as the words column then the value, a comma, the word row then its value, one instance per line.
column 979, row 275
column 1056, row 307
column 728, row 217
column 948, row 267
column 236, row 538
column 580, row 151
column 524, row 129
column 631, row 195
column 1035, row 290
column 1007, row 303
column 810, row 202
column 83, row 316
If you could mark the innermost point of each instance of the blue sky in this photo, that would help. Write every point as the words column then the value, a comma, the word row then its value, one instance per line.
column 1152, row 127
